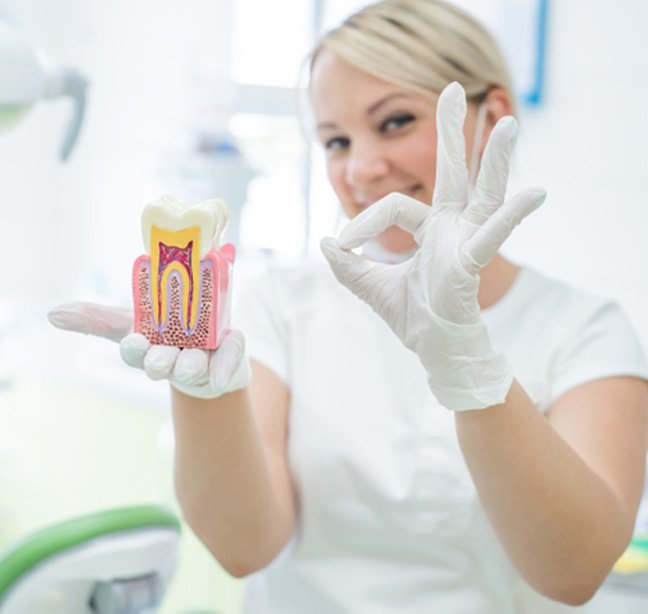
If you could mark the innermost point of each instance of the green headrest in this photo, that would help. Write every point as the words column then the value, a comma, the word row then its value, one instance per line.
column 34, row 549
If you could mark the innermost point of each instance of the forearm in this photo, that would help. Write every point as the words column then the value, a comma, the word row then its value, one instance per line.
column 560, row 523
column 223, row 481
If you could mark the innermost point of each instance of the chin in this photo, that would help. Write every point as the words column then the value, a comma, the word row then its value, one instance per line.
column 396, row 240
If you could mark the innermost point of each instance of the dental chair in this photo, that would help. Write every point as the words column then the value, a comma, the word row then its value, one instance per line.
column 118, row 561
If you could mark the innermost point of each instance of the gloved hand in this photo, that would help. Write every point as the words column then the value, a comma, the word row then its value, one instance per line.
column 197, row 373
column 430, row 301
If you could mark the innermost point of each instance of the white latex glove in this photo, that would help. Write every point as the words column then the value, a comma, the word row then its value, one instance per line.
column 197, row 373
column 430, row 301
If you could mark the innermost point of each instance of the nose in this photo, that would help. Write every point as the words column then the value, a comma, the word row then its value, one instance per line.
column 366, row 163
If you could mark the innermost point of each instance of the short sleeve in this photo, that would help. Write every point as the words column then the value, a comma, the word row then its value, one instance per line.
column 603, row 345
column 257, row 312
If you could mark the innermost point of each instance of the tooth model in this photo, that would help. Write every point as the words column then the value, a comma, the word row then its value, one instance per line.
column 181, row 287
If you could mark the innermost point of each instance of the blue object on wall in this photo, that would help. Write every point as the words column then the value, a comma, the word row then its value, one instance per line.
column 534, row 96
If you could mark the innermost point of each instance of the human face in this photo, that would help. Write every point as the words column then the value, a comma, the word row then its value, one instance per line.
column 378, row 138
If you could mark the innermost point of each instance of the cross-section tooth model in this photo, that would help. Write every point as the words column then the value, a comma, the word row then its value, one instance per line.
column 181, row 287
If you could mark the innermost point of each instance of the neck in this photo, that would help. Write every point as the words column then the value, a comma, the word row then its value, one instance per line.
column 496, row 278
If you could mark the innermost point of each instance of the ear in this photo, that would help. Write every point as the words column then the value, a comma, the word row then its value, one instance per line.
column 498, row 104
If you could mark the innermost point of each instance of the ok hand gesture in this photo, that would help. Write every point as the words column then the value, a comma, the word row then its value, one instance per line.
column 430, row 301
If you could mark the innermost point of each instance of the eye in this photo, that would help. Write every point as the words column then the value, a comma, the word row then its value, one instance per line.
column 336, row 143
column 398, row 121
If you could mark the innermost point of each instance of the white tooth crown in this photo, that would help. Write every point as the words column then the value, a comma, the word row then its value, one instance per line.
column 168, row 213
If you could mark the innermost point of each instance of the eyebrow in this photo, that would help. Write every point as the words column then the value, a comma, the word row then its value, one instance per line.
column 370, row 111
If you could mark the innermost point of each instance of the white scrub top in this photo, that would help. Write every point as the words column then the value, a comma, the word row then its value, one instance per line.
column 389, row 520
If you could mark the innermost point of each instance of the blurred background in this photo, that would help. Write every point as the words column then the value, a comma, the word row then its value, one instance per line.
column 204, row 99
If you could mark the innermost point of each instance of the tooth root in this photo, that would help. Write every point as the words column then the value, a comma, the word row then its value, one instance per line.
column 175, row 251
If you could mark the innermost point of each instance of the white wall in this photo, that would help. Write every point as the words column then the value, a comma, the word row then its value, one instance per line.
column 588, row 145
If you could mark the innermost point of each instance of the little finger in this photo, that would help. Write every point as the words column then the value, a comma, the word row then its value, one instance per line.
column 485, row 243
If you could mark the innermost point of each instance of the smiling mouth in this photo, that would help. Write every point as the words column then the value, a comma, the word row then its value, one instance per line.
column 411, row 191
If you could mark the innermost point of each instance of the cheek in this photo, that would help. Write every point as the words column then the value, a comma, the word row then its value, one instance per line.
column 419, row 157
column 336, row 173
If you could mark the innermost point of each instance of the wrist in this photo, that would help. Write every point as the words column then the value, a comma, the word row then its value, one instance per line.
column 473, row 398
column 228, row 372
column 464, row 371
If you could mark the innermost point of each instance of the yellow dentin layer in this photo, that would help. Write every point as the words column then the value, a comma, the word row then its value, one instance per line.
column 179, row 251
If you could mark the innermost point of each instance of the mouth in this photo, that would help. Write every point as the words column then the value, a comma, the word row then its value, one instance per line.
column 415, row 191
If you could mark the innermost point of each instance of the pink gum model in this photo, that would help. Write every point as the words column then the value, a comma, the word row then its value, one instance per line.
column 213, row 316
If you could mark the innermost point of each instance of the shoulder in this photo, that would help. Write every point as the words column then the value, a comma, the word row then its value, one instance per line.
column 553, row 291
column 554, row 303
column 567, row 336
column 563, row 313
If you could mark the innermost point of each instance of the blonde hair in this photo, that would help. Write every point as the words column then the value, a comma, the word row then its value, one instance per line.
column 420, row 44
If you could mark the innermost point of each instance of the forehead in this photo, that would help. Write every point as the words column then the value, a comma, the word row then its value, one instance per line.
column 337, row 87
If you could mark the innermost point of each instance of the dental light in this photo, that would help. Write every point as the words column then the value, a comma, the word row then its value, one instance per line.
column 27, row 75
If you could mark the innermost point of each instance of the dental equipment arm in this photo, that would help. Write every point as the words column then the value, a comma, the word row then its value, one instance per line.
column 430, row 301
column 27, row 75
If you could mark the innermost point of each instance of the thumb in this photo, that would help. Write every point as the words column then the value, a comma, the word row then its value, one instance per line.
column 229, row 367
column 112, row 323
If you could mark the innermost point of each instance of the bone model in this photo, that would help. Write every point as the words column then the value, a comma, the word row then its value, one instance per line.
column 181, row 287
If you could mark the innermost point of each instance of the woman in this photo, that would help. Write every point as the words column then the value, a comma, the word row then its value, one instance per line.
column 335, row 476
